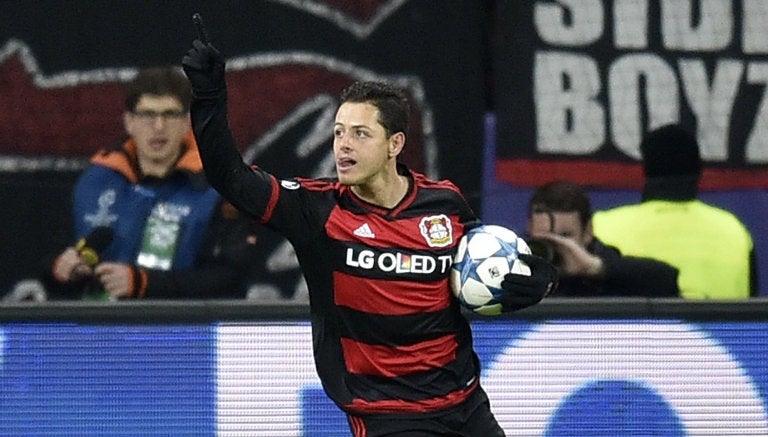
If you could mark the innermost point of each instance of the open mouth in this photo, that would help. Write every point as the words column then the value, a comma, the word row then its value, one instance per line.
column 158, row 143
column 345, row 163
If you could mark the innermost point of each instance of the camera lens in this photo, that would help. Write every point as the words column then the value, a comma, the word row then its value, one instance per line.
column 543, row 249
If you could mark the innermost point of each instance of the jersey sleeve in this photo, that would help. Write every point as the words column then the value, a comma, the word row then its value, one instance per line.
column 243, row 186
column 279, row 204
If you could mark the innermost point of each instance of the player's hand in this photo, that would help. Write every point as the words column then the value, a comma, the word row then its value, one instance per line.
column 204, row 65
column 524, row 291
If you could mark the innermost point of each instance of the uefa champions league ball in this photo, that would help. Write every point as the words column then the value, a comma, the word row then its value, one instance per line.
column 485, row 254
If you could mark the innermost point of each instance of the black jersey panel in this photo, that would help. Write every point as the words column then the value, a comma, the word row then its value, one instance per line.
column 418, row 392
column 400, row 329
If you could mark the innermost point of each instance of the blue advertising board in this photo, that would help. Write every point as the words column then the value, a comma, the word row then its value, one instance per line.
column 552, row 378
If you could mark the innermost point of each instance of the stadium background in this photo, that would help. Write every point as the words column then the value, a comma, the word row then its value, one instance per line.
column 474, row 69
column 193, row 368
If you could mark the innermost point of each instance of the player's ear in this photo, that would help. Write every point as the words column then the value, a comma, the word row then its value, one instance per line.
column 396, row 144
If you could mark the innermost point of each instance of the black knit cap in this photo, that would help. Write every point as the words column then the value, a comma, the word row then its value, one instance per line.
column 670, row 150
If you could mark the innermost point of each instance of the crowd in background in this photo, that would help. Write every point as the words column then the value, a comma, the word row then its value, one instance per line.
column 142, row 268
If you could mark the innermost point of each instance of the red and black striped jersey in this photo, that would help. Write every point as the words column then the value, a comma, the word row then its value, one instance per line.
column 389, row 336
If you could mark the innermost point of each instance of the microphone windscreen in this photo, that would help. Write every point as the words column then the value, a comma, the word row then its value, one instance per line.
column 99, row 238
column 91, row 246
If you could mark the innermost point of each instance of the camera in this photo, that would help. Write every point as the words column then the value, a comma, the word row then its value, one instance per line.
column 544, row 249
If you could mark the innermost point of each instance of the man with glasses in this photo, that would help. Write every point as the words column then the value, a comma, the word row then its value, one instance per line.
column 150, row 225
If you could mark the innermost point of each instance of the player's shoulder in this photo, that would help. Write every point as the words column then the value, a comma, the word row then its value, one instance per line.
column 422, row 181
column 311, row 184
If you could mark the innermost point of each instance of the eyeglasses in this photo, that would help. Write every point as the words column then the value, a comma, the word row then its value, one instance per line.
column 170, row 114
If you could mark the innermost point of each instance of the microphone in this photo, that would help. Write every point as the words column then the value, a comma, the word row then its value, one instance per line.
column 92, row 245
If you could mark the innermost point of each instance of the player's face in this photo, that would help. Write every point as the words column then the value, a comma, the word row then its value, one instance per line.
column 360, row 144
column 566, row 224
column 158, row 125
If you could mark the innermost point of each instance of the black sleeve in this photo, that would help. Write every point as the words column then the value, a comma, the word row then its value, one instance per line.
column 247, row 189
column 250, row 189
column 634, row 276
column 222, row 263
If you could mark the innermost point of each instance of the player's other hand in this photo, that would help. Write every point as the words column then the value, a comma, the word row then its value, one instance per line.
column 204, row 66
column 524, row 291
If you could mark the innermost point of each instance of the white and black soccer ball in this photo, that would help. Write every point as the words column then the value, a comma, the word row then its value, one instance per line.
column 485, row 254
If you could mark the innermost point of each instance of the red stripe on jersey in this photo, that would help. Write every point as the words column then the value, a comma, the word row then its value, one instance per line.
column 358, row 426
column 378, row 296
column 402, row 406
column 318, row 184
column 391, row 361
column 425, row 232
column 270, row 209
column 423, row 181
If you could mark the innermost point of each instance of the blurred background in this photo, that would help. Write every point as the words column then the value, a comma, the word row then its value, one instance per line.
column 506, row 95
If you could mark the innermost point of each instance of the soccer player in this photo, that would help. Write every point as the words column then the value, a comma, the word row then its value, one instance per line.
column 375, row 244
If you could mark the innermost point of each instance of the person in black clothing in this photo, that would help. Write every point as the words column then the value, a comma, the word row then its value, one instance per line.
column 560, row 228
column 375, row 245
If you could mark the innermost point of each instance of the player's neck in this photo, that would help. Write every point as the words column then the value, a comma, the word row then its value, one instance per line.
column 384, row 193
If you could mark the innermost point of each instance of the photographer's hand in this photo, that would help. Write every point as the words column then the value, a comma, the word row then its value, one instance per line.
column 575, row 259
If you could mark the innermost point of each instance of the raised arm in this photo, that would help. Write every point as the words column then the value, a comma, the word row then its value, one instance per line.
column 237, row 182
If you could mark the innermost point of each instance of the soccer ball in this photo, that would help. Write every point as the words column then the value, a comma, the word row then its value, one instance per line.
column 485, row 254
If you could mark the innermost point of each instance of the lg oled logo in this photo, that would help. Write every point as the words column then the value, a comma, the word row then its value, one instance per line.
column 397, row 262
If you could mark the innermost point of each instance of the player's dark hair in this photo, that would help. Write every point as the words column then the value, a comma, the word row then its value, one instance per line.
column 391, row 101
column 561, row 196
column 158, row 81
